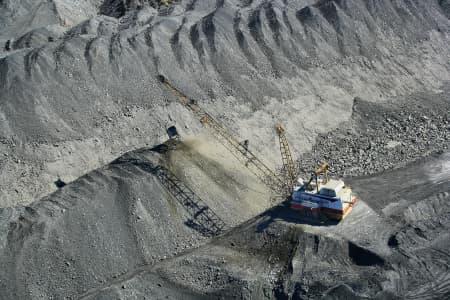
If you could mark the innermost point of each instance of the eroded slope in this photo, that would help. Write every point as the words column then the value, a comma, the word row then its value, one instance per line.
column 73, row 104
column 370, row 255
column 119, row 218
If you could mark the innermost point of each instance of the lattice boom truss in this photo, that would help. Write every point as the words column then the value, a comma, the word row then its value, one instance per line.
column 239, row 150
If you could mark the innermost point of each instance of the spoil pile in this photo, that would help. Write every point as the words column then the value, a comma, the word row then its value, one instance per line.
column 119, row 218
column 78, row 88
column 380, row 137
column 278, row 256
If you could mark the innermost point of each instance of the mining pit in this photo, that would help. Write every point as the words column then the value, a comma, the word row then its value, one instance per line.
column 97, row 201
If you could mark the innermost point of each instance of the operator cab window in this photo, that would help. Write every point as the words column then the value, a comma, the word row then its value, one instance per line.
column 327, row 192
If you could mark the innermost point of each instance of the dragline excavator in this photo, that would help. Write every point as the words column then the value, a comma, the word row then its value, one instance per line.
column 320, row 196
column 317, row 197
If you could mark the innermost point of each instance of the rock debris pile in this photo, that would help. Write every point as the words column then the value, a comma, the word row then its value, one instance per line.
column 83, row 215
column 382, row 137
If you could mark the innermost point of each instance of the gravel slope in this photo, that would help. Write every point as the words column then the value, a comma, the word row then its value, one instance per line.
column 75, row 102
column 363, row 84
column 384, row 136
column 118, row 218
column 371, row 255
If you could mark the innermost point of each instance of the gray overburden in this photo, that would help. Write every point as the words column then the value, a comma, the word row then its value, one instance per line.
column 95, row 203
